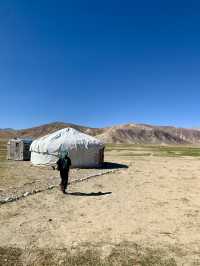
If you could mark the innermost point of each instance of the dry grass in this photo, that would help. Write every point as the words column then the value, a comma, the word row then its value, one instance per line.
column 119, row 256
column 153, row 150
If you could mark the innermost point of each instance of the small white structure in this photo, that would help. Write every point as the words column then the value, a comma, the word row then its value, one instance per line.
column 18, row 149
column 84, row 150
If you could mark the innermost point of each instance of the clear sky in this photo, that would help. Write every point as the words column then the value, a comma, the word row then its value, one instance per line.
column 99, row 63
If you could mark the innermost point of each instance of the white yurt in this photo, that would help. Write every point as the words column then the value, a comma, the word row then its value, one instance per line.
column 84, row 150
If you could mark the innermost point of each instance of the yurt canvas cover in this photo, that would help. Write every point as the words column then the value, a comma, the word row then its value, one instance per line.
column 84, row 150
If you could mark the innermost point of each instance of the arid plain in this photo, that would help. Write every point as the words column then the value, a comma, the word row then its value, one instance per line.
column 146, row 211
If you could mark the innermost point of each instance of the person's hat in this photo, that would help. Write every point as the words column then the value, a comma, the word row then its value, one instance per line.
column 63, row 154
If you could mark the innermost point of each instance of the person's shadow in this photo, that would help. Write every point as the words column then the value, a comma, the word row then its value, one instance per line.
column 91, row 194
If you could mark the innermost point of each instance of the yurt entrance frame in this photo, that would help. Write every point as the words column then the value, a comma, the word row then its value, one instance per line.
column 101, row 157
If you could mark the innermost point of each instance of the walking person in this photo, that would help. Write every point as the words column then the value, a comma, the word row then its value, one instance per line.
column 63, row 165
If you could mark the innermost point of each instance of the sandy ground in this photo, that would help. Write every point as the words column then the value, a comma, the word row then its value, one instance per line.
column 19, row 177
column 154, row 203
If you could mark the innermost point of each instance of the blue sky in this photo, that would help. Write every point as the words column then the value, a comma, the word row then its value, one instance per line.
column 99, row 63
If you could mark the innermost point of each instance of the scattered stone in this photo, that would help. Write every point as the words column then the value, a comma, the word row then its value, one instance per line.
column 26, row 194
column 51, row 186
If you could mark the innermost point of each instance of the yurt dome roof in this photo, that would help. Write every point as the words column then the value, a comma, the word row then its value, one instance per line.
column 64, row 139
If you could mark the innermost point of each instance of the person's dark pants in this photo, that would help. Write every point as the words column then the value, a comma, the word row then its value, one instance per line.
column 64, row 179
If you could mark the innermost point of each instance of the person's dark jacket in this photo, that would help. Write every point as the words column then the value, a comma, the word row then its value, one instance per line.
column 63, row 164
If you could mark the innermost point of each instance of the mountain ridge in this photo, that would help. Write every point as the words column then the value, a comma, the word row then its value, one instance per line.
column 137, row 133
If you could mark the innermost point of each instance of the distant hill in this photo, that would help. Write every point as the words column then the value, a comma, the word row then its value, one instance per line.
column 147, row 134
column 128, row 133
column 6, row 129
column 42, row 130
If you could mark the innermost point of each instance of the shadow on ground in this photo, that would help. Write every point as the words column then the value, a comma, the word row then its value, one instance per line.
column 109, row 165
column 91, row 194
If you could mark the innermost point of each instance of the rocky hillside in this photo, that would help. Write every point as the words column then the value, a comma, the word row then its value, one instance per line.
column 147, row 134
column 128, row 133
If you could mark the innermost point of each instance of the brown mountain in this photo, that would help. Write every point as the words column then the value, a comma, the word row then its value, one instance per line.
column 128, row 133
column 42, row 130
column 147, row 134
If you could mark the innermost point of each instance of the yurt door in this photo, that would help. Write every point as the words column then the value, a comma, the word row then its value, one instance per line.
column 17, row 151
column 101, row 156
